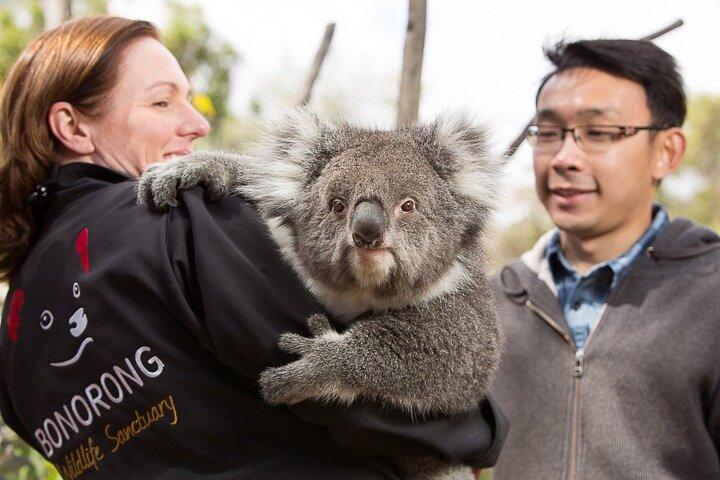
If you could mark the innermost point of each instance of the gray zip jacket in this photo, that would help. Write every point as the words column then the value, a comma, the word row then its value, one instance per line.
column 643, row 401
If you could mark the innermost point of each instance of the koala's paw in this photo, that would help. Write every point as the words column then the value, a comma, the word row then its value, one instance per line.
column 157, row 188
column 218, row 172
column 286, row 385
column 306, row 377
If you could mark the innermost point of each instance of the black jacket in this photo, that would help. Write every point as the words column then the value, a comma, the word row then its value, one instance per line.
column 132, row 342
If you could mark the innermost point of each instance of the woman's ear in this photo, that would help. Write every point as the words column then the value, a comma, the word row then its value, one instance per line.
column 670, row 154
column 68, row 127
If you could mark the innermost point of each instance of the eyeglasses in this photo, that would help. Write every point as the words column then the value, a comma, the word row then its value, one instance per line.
column 590, row 138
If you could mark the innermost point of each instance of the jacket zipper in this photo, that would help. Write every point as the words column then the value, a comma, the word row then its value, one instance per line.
column 577, row 372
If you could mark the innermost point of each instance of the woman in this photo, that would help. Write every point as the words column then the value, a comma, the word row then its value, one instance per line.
column 132, row 341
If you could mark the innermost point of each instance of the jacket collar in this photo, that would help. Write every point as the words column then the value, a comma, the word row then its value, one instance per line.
column 681, row 239
column 68, row 181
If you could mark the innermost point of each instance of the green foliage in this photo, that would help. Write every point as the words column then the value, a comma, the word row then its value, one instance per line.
column 19, row 23
column 206, row 59
column 87, row 8
column 516, row 238
column 18, row 461
column 701, row 167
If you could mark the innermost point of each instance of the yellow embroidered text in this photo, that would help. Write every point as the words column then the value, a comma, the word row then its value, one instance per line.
column 143, row 421
column 81, row 459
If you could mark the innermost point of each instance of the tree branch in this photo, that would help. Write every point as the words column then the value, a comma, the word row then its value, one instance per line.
column 317, row 63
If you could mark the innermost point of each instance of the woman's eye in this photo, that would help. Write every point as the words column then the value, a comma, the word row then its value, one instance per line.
column 407, row 206
column 162, row 104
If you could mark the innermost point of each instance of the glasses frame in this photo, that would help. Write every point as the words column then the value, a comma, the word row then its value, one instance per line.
column 626, row 131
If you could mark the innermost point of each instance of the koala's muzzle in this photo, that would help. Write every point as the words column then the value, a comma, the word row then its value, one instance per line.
column 368, row 224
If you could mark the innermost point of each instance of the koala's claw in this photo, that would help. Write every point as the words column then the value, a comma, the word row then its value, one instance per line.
column 319, row 325
column 158, row 189
column 294, row 343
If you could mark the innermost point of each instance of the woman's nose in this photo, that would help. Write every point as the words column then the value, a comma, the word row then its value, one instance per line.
column 194, row 123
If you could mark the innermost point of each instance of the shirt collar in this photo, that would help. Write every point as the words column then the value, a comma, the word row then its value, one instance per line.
column 619, row 265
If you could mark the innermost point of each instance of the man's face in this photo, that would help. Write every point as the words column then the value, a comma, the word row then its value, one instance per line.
column 590, row 195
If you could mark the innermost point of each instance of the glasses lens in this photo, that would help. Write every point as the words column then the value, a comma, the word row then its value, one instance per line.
column 598, row 138
column 544, row 137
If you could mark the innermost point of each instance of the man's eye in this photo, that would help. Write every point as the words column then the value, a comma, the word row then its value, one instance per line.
column 602, row 135
column 547, row 135
column 162, row 104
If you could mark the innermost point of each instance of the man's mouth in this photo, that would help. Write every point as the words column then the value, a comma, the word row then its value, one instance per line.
column 569, row 192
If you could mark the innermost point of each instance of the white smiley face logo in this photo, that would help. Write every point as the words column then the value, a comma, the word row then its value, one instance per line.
column 77, row 324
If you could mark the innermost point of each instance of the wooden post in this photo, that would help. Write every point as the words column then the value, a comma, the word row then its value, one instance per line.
column 317, row 63
column 56, row 12
column 409, row 99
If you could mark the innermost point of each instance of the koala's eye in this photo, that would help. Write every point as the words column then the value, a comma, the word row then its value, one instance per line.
column 337, row 206
column 407, row 206
column 46, row 319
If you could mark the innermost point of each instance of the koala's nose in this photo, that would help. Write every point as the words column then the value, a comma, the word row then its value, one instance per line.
column 368, row 224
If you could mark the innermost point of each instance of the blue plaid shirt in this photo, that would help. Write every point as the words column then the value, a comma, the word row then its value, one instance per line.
column 582, row 297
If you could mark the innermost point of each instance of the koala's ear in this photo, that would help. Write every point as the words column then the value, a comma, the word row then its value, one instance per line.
column 461, row 153
column 289, row 157
column 302, row 135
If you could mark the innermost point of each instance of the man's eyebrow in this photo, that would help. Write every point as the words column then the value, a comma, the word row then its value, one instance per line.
column 596, row 112
column 547, row 114
column 553, row 115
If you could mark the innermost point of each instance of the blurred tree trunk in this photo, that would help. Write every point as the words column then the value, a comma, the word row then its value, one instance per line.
column 55, row 12
column 409, row 100
column 317, row 63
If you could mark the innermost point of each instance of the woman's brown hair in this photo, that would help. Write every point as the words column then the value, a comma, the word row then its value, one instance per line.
column 78, row 63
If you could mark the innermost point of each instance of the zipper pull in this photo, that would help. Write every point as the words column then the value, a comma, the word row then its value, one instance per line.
column 579, row 364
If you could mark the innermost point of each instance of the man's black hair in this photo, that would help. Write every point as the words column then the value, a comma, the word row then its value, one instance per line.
column 640, row 61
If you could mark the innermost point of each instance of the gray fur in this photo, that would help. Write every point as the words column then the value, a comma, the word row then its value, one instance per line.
column 420, row 330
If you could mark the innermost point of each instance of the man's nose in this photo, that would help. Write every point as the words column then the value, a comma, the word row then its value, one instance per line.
column 570, row 154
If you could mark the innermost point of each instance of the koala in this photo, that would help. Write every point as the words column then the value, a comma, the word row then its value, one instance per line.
column 386, row 229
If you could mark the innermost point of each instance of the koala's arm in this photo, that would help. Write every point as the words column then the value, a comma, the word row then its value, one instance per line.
column 221, row 173
column 425, row 361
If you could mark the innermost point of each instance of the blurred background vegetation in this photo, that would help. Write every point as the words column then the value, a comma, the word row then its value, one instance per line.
column 209, row 60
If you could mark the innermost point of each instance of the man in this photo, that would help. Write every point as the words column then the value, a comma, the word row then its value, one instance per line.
column 612, row 320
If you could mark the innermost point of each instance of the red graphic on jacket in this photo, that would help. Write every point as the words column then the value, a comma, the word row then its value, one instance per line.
column 16, row 303
column 76, row 324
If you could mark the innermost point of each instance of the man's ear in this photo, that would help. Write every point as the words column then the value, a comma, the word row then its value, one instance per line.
column 68, row 127
column 669, row 153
